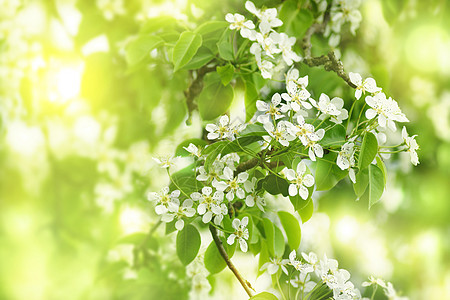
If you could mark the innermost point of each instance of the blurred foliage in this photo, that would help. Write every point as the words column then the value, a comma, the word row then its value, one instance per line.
column 80, row 121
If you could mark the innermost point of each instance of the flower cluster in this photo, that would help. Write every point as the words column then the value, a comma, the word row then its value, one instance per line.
column 270, row 47
column 310, row 273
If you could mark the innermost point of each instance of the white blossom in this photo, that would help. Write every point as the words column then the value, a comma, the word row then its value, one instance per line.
column 165, row 162
column 274, row 264
column 223, row 130
column 231, row 183
column 299, row 181
column 194, row 150
column 280, row 134
column 412, row 145
column 298, row 265
column 387, row 111
column 328, row 107
column 369, row 85
column 239, row 22
column 178, row 212
column 285, row 44
column 271, row 111
column 241, row 233
column 210, row 205
column 345, row 157
column 252, row 198
column 164, row 200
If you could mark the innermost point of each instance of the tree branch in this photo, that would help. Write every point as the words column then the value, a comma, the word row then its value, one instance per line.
column 245, row 284
column 330, row 62
column 195, row 88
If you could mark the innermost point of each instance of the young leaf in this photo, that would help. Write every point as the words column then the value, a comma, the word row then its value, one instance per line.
column 214, row 262
column 307, row 211
column 225, row 47
column 185, row 179
column 269, row 230
column 334, row 136
column 328, row 174
column 188, row 244
column 275, row 185
column 139, row 48
column 215, row 99
column 185, row 48
column 250, row 97
column 279, row 244
column 376, row 185
column 201, row 58
column 264, row 296
column 362, row 180
column 382, row 167
column 369, row 150
column 292, row 228
column 226, row 73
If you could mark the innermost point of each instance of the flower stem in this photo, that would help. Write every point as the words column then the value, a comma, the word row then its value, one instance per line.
column 245, row 284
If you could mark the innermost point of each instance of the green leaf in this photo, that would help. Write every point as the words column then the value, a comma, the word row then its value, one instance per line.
column 185, row 48
column 333, row 137
column 288, row 13
column 376, row 185
column 225, row 46
column 185, row 179
column 292, row 228
column 138, row 49
column 263, row 255
column 307, row 211
column 214, row 262
column 215, row 98
column 328, row 174
column 188, row 244
column 275, row 185
column 269, row 231
column 226, row 73
column 201, row 58
column 279, row 242
column 382, row 167
column 264, row 296
column 211, row 27
column 369, row 150
column 180, row 151
column 250, row 97
column 362, row 180
column 253, row 129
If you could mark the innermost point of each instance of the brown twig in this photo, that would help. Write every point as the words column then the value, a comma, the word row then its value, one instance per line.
column 329, row 61
column 245, row 284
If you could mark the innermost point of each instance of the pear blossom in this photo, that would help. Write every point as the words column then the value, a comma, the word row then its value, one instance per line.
column 303, row 282
column 412, row 145
column 268, row 17
column 231, row 183
column 210, row 205
column 369, row 85
column 165, row 162
column 271, row 111
column 328, row 107
column 230, row 160
column 214, row 171
column 252, row 198
column 274, row 264
column 164, row 200
column 222, row 131
column 267, row 43
column 280, row 134
column 178, row 212
column 299, row 181
column 345, row 157
column 296, row 98
column 285, row 44
column 296, row 84
column 346, row 11
column 298, row 265
column 241, row 233
column 391, row 293
column 387, row 111
column 239, row 22
column 194, row 150
column 373, row 281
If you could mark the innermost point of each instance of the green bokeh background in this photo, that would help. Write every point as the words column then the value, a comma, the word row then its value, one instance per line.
column 78, row 130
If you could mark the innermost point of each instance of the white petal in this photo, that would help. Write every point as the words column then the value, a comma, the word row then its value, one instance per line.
column 243, row 245
column 230, row 239
column 308, row 180
column 370, row 114
column 292, row 190
column 303, row 192
column 355, row 78
column 301, row 168
column 179, row 224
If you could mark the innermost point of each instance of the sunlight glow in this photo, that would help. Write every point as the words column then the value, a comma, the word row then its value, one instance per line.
column 65, row 83
column 347, row 229
column 427, row 47
column 87, row 129
column 133, row 220
column 24, row 139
